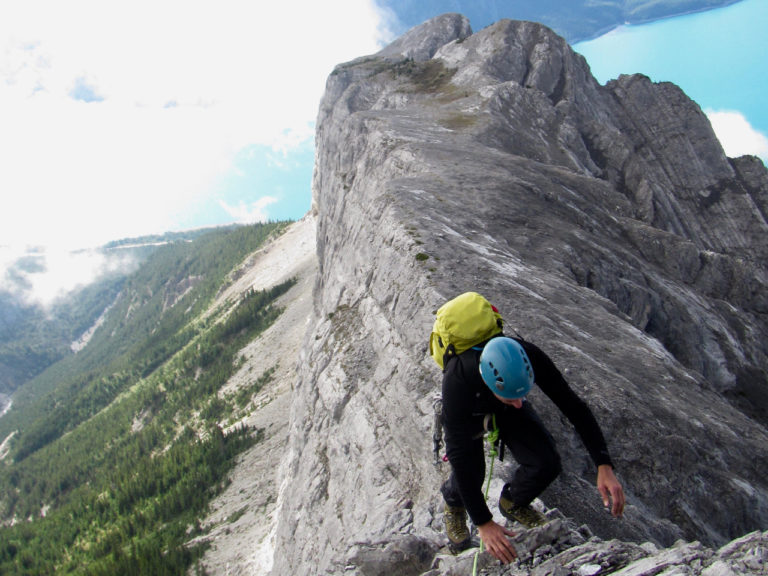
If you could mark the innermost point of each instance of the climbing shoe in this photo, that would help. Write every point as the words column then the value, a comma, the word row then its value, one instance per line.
column 455, row 519
column 525, row 515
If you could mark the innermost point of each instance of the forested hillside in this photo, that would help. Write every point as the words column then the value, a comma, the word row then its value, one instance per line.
column 32, row 337
column 35, row 334
column 110, row 456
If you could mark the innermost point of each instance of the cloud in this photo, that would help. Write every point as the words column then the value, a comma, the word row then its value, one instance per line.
column 117, row 117
column 249, row 213
column 737, row 135
column 84, row 91
column 40, row 275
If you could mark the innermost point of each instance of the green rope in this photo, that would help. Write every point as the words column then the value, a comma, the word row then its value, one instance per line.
column 493, row 438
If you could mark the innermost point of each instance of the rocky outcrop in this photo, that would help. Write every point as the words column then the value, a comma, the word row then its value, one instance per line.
column 607, row 225
column 561, row 548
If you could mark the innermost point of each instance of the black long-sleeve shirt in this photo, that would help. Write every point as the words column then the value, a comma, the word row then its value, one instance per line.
column 466, row 399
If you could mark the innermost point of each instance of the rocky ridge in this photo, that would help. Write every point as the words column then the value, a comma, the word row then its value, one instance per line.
column 606, row 224
column 561, row 548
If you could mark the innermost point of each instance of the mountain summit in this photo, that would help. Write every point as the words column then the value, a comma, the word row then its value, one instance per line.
column 608, row 227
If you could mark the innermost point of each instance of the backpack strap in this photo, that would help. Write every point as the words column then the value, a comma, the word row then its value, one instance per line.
column 450, row 352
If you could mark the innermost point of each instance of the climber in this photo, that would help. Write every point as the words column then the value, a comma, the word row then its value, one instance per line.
column 495, row 378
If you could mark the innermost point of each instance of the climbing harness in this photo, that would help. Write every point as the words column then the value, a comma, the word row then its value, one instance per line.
column 493, row 440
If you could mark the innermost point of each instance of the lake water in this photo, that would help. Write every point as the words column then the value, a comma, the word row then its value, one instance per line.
column 717, row 57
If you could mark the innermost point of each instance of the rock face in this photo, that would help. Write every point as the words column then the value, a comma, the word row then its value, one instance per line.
column 560, row 550
column 608, row 227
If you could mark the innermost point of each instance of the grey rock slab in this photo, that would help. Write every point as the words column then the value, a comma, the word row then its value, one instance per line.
column 607, row 225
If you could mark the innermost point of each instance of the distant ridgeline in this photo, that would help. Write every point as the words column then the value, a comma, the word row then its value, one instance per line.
column 111, row 455
column 33, row 336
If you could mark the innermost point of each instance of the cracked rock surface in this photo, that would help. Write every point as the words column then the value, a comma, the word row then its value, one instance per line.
column 608, row 226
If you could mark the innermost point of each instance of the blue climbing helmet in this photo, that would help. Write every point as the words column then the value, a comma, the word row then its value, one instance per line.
column 505, row 368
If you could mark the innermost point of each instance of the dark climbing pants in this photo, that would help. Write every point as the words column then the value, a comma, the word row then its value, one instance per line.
column 532, row 447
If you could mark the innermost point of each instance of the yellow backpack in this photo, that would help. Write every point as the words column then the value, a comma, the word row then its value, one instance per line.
column 461, row 323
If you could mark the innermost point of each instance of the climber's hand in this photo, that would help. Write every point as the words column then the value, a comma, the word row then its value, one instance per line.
column 611, row 490
column 494, row 537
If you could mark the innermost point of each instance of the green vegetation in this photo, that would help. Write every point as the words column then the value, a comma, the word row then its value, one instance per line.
column 33, row 338
column 243, row 396
column 154, row 317
column 430, row 76
column 119, row 449
column 421, row 257
column 458, row 120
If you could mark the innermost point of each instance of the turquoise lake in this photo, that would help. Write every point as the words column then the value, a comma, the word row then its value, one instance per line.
column 717, row 57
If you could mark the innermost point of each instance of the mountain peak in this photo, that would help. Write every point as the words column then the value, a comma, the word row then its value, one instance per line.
column 421, row 43
column 607, row 226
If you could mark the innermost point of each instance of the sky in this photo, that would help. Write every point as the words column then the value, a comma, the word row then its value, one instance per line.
column 120, row 119
column 126, row 118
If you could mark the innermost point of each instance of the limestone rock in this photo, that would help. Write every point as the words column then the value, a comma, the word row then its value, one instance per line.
column 607, row 225
column 421, row 43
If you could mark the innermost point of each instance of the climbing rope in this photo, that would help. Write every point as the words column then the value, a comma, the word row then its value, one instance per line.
column 493, row 438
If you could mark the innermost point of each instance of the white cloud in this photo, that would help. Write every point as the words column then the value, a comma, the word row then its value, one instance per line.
column 51, row 272
column 249, row 213
column 737, row 135
column 116, row 116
